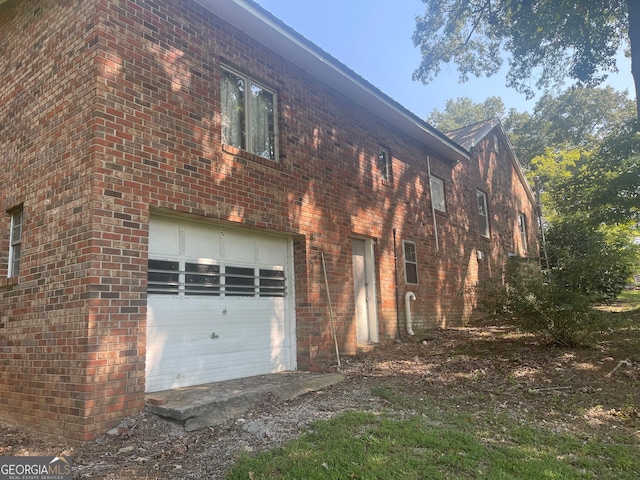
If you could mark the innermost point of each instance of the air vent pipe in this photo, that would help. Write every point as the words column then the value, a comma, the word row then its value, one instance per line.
column 407, row 308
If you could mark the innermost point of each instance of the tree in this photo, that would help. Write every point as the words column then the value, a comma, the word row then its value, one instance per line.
column 557, row 171
column 548, row 42
column 462, row 112
column 593, row 261
column 578, row 118
column 607, row 185
column 592, row 207
column 602, row 184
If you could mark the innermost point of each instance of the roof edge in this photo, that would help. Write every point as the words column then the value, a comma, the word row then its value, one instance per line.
column 272, row 32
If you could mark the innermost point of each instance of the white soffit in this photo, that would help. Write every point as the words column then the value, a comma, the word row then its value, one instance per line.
column 274, row 34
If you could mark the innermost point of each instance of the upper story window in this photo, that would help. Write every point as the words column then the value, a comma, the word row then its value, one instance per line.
column 483, row 214
column 496, row 143
column 15, row 243
column 248, row 115
column 384, row 163
column 410, row 262
column 522, row 228
column 437, row 194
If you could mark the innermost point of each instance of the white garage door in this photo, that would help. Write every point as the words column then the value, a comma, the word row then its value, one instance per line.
column 219, row 305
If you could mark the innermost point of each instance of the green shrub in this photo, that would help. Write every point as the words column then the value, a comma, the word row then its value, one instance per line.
column 593, row 261
column 539, row 305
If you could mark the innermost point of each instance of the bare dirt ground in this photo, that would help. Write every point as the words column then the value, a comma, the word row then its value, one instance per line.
column 484, row 370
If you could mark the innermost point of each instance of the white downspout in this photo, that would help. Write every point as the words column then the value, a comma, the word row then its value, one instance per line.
column 407, row 308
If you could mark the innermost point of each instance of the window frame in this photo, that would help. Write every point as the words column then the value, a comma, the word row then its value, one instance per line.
column 522, row 229
column 386, row 172
column 483, row 219
column 433, row 197
column 407, row 262
column 15, row 241
column 247, row 141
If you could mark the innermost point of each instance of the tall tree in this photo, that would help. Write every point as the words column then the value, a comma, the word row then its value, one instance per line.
column 578, row 118
column 548, row 42
column 557, row 171
column 582, row 117
column 462, row 112
column 608, row 184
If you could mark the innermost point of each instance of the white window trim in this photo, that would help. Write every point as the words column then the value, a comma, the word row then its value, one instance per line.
column 441, row 188
column 486, row 232
column 522, row 228
column 385, row 170
column 249, row 81
column 15, row 243
column 411, row 262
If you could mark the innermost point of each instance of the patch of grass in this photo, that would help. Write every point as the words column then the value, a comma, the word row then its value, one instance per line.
column 631, row 297
column 361, row 445
column 466, row 435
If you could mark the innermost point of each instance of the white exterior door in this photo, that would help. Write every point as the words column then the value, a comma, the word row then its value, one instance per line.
column 365, row 292
column 219, row 304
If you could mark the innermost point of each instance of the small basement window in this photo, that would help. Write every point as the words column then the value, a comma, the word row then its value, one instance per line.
column 410, row 262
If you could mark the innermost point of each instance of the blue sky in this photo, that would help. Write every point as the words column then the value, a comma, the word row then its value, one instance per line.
column 373, row 38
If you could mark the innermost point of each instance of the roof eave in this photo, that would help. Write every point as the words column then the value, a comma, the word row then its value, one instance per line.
column 274, row 34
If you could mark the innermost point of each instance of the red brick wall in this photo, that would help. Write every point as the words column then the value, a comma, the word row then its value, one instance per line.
column 71, row 358
column 120, row 117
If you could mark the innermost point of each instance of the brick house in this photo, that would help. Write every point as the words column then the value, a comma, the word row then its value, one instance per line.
column 174, row 173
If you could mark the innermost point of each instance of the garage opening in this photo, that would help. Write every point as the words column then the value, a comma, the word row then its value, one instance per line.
column 219, row 302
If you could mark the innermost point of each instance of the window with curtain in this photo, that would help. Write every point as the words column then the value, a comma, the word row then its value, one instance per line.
column 248, row 115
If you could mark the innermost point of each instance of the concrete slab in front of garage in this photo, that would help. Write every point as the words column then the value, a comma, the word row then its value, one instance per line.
column 201, row 406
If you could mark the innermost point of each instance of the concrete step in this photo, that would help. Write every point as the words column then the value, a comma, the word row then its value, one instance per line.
column 211, row 404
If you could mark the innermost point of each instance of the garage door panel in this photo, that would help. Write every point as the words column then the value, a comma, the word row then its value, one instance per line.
column 213, row 360
column 205, row 317
column 207, row 371
column 164, row 237
column 269, row 248
column 201, row 241
column 174, row 347
column 237, row 247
